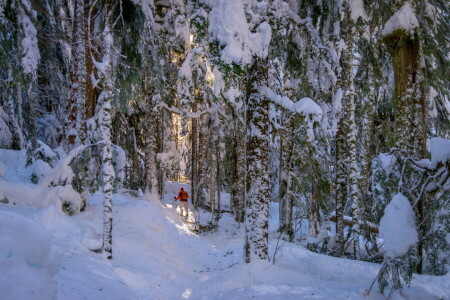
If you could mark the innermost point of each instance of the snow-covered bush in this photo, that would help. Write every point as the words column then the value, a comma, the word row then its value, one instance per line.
column 60, row 178
column 27, row 259
column 49, row 129
column 427, row 184
column 86, row 168
column 398, row 230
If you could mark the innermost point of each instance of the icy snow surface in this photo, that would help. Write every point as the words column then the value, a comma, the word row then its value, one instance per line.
column 397, row 227
column 405, row 18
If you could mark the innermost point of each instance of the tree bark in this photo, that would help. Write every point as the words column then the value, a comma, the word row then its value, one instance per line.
column 285, row 192
column 409, row 101
column 258, row 196
column 239, row 175
column 105, row 129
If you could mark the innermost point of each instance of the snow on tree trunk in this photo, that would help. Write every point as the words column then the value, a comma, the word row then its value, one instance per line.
column 105, row 129
column 75, row 127
column 409, row 98
column 347, row 170
column 258, row 196
column 239, row 175
column 314, row 214
column 285, row 192
column 212, row 173
column 399, row 35
column 194, row 161
column 341, row 185
column 150, row 155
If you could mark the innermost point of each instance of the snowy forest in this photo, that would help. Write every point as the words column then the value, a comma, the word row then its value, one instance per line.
column 312, row 138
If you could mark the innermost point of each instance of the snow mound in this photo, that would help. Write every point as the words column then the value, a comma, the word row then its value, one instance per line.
column 91, row 239
column 40, row 196
column 397, row 227
column 405, row 18
column 27, row 259
column 440, row 150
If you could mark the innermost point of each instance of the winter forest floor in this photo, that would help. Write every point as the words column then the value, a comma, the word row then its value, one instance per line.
column 156, row 256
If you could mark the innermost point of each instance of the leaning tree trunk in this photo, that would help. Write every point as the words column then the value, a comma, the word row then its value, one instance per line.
column 258, row 196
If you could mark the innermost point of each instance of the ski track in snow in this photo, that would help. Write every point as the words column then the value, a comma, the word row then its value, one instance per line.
column 157, row 257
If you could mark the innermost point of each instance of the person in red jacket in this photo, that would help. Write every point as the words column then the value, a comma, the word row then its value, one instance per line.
column 183, row 196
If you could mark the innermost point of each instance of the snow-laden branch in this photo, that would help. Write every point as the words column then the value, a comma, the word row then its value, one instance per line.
column 305, row 106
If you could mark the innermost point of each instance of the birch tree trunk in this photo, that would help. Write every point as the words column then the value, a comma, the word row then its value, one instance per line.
column 258, row 196
column 105, row 129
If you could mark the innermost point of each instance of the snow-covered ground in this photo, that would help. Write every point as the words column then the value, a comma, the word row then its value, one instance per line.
column 44, row 254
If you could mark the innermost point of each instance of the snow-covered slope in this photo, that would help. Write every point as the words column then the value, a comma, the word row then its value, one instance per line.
column 157, row 257
column 45, row 254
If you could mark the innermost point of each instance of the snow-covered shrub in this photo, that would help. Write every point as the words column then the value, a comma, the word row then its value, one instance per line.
column 61, row 178
column 398, row 230
column 427, row 184
column 385, row 176
column 49, row 129
column 86, row 167
column 27, row 259
column 43, row 152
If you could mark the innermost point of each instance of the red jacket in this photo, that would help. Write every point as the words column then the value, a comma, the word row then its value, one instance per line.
column 182, row 196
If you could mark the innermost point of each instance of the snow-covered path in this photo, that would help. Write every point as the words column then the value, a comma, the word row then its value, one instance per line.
column 157, row 257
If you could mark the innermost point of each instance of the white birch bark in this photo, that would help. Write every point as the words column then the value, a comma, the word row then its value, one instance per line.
column 105, row 128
